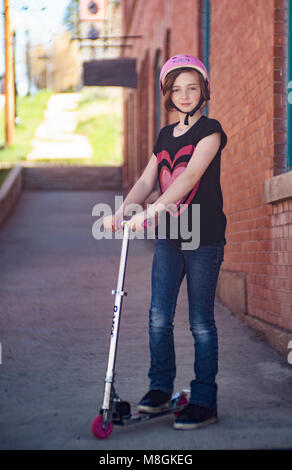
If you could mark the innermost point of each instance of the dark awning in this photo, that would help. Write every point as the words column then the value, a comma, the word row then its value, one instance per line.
column 110, row 72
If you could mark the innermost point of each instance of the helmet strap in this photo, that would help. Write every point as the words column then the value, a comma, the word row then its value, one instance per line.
column 191, row 113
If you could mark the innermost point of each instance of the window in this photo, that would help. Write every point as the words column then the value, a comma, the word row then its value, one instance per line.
column 204, row 37
column 166, row 57
column 289, row 105
column 157, row 70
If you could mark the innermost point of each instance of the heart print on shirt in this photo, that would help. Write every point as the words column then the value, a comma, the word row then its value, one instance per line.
column 170, row 170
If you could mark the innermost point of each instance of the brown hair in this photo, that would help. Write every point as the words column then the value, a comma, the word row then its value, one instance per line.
column 170, row 79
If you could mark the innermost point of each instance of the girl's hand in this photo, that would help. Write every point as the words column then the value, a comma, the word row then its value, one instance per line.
column 141, row 220
column 136, row 222
column 113, row 222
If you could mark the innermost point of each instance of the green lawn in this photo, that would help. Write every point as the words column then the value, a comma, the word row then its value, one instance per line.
column 100, row 119
column 104, row 136
column 30, row 110
column 3, row 173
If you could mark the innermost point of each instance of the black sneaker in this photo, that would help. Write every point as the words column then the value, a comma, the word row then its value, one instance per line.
column 195, row 416
column 154, row 401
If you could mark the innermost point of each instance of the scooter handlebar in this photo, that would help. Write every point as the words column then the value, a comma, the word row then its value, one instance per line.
column 146, row 223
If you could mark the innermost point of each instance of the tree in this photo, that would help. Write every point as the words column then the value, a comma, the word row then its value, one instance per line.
column 38, row 66
column 71, row 17
column 65, row 64
column 57, row 67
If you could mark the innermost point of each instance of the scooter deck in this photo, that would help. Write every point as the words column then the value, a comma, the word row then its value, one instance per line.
column 175, row 406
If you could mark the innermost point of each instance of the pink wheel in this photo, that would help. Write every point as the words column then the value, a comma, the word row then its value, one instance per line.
column 181, row 401
column 97, row 429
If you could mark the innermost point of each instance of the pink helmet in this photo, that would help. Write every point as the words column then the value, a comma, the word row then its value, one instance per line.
column 180, row 61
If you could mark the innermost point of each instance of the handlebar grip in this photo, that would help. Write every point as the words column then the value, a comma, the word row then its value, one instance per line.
column 146, row 223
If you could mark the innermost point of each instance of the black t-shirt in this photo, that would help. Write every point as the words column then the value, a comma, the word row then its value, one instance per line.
column 173, row 155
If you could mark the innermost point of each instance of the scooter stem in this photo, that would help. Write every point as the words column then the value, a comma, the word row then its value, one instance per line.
column 119, row 293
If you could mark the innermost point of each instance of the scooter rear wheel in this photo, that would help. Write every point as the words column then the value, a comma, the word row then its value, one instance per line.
column 181, row 401
column 97, row 429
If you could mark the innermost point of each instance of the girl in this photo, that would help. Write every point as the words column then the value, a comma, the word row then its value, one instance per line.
column 186, row 162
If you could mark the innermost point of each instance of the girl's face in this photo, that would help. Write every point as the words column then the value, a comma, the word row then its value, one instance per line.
column 186, row 91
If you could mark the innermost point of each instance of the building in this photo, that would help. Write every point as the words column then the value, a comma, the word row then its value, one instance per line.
column 99, row 28
column 246, row 47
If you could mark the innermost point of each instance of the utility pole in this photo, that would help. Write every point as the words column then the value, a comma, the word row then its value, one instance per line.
column 27, row 58
column 9, row 78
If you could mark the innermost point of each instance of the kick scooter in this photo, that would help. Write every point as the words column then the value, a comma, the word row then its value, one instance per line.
column 113, row 409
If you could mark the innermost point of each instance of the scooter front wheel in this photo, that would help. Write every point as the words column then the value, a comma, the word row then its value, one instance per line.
column 98, row 430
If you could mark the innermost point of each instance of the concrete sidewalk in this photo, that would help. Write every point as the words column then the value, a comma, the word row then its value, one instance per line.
column 56, row 313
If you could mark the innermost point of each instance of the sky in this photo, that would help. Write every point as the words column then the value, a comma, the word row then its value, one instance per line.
column 43, row 19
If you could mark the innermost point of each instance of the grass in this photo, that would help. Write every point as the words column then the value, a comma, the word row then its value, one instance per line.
column 104, row 136
column 96, row 94
column 3, row 173
column 30, row 110
column 100, row 119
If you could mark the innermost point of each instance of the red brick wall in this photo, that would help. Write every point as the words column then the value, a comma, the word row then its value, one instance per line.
column 248, row 72
column 152, row 21
column 252, row 48
column 280, row 85
column 242, row 91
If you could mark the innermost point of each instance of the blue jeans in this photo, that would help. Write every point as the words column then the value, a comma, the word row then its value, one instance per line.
column 201, row 266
